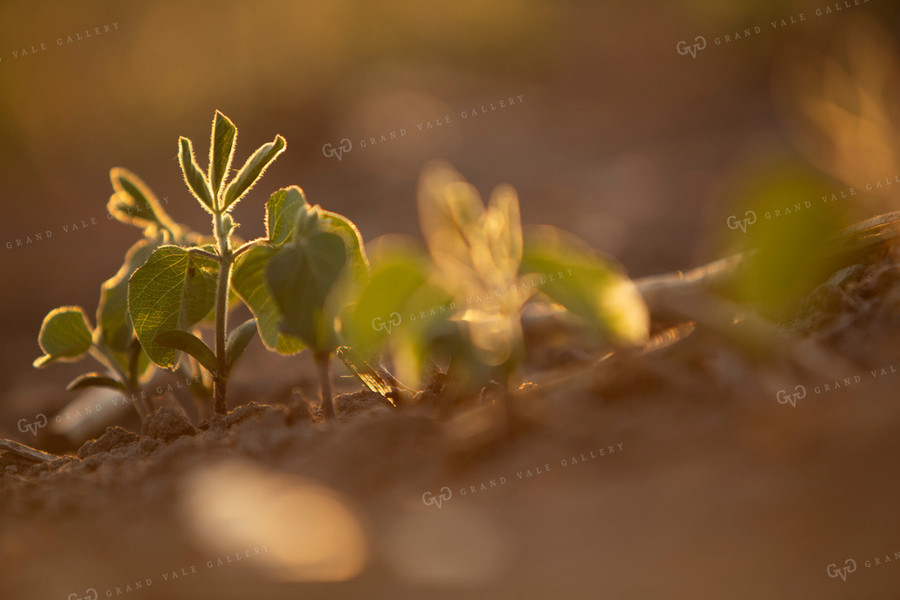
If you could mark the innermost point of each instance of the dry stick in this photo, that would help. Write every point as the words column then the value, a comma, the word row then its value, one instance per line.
column 22, row 454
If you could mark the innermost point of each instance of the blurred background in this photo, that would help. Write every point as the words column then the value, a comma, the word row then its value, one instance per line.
column 611, row 119
column 639, row 149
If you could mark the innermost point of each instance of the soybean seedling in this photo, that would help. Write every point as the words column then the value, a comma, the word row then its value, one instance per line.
column 179, row 286
column 66, row 334
column 465, row 297
column 298, row 278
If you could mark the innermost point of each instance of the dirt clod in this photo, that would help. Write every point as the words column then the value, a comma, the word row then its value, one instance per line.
column 169, row 423
column 359, row 401
column 115, row 437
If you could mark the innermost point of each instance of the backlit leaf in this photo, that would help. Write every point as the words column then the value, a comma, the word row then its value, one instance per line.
column 193, row 176
column 252, row 171
column 221, row 150
column 300, row 277
column 96, row 380
column 238, row 340
column 586, row 284
column 282, row 209
column 114, row 330
column 381, row 306
column 191, row 344
column 249, row 281
column 353, row 242
column 65, row 335
column 174, row 289
column 134, row 204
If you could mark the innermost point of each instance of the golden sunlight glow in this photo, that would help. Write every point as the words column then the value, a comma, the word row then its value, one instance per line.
column 448, row 547
column 310, row 532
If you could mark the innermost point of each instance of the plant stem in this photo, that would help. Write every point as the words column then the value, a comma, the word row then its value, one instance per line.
column 323, row 363
column 201, row 252
column 141, row 405
column 244, row 248
column 223, row 283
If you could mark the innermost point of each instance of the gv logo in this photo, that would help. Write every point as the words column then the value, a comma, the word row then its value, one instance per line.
column 393, row 321
column 330, row 151
column 692, row 49
column 40, row 422
column 428, row 498
column 799, row 394
column 89, row 594
column 849, row 567
column 735, row 223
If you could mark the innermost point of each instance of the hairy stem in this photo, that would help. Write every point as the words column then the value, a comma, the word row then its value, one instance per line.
column 323, row 363
column 202, row 252
column 223, row 283
column 244, row 248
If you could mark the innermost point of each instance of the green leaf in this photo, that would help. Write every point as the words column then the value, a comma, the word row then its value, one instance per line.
column 382, row 304
column 138, row 362
column 191, row 344
column 587, row 285
column 282, row 210
column 114, row 330
column 427, row 323
column 96, row 380
column 249, row 281
column 238, row 340
column 353, row 242
column 221, row 150
column 134, row 204
column 300, row 276
column 450, row 213
column 477, row 250
column 65, row 335
column 252, row 171
column 173, row 290
column 193, row 176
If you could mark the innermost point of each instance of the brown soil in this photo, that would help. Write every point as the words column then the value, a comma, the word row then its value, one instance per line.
column 674, row 474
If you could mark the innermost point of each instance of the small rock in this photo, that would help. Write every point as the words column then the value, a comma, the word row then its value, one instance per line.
column 169, row 423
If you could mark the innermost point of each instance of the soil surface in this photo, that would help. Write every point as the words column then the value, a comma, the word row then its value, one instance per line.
column 697, row 470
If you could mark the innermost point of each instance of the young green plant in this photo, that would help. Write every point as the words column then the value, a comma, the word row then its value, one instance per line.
column 464, row 299
column 179, row 286
column 66, row 334
column 298, row 278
